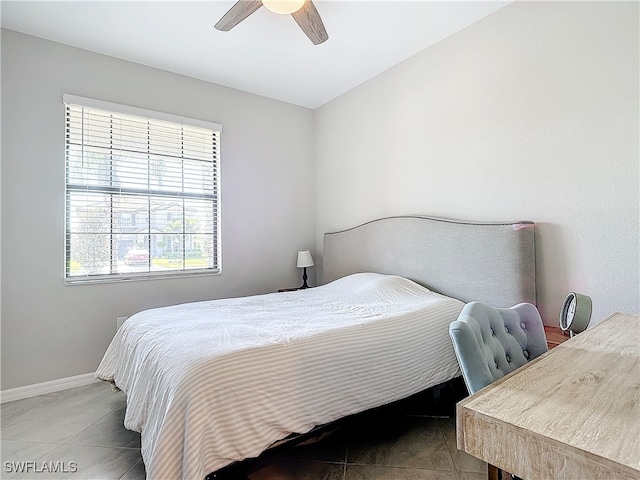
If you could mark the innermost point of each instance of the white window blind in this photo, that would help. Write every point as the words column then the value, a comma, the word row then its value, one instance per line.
column 142, row 193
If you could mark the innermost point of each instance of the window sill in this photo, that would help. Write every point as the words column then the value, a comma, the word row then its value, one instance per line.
column 87, row 280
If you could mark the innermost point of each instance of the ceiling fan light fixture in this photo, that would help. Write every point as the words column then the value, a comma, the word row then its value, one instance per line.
column 283, row 6
column 303, row 12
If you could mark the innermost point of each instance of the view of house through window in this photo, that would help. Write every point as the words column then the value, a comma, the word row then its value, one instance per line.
column 141, row 194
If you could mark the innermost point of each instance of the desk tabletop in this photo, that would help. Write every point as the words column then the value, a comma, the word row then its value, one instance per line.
column 574, row 412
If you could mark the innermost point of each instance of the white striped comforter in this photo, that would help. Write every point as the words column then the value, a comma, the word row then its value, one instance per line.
column 210, row 383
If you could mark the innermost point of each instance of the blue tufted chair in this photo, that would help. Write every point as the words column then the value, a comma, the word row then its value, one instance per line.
column 491, row 342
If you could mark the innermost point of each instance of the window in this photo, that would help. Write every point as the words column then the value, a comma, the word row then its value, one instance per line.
column 127, row 219
column 142, row 193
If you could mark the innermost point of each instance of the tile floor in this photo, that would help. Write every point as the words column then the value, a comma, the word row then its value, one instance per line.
column 80, row 431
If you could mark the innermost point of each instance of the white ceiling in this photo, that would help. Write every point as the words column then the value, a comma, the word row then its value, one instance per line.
column 267, row 54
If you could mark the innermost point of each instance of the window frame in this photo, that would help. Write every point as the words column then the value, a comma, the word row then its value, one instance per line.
column 149, row 194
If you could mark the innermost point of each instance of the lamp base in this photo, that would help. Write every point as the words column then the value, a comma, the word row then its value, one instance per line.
column 304, row 279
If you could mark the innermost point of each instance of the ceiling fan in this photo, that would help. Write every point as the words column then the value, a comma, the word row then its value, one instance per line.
column 303, row 11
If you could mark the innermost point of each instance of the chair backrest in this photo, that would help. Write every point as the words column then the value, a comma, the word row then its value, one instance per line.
column 491, row 342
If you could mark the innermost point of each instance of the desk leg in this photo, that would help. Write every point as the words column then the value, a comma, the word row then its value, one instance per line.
column 494, row 473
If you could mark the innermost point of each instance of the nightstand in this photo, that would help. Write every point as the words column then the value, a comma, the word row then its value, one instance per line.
column 555, row 336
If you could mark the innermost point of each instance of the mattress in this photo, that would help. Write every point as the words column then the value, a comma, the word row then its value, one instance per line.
column 214, row 382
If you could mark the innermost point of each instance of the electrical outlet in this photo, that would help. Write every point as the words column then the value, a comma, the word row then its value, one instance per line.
column 120, row 321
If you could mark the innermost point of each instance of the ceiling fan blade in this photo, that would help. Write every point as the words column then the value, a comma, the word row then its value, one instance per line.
column 241, row 10
column 310, row 22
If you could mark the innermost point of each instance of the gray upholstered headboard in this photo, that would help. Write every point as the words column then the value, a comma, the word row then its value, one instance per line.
column 489, row 262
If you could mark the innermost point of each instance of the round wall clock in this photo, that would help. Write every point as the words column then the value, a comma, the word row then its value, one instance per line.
column 575, row 313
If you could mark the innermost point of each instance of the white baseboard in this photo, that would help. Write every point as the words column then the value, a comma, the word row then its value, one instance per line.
column 36, row 389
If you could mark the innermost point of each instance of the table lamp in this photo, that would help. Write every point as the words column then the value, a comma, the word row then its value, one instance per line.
column 304, row 260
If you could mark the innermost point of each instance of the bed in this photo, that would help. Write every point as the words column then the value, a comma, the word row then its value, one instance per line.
column 211, row 383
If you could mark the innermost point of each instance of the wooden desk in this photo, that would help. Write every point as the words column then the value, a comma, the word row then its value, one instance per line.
column 572, row 413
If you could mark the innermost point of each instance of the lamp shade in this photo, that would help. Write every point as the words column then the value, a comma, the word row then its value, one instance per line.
column 304, row 259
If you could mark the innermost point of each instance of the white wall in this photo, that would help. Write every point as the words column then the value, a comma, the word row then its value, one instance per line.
column 52, row 331
column 528, row 114
column 531, row 113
